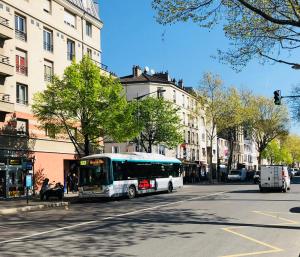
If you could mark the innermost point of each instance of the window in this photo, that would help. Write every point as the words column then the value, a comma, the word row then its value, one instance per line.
column 89, row 52
column 71, row 50
column 189, row 137
column 70, row 19
column 21, row 62
column 22, row 127
column 115, row 149
column 174, row 96
column 188, row 102
column 48, row 71
column 160, row 92
column 203, row 152
column 182, row 100
column 203, row 137
column 20, row 27
column 162, row 150
column 88, row 29
column 47, row 6
column 48, row 40
column 22, row 94
column 50, row 130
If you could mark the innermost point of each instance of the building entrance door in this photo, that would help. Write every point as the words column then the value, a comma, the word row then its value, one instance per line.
column 2, row 183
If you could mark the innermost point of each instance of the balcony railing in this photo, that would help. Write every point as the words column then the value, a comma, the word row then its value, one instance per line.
column 4, row 22
column 21, row 35
column 4, row 59
column 22, row 69
column 22, row 101
column 4, row 98
column 48, row 77
column 48, row 47
column 70, row 56
column 101, row 65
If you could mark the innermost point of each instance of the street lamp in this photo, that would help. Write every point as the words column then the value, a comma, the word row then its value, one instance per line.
column 158, row 91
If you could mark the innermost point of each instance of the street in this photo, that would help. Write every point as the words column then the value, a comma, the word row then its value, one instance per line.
column 199, row 220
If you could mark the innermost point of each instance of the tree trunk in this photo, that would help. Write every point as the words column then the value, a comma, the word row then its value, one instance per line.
column 211, row 160
column 86, row 146
column 259, row 160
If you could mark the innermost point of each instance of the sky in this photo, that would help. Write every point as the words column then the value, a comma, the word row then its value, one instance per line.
column 131, row 36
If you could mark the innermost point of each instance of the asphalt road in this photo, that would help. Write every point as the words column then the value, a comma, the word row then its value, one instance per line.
column 199, row 220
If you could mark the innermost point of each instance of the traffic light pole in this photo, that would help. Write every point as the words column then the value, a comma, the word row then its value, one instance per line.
column 278, row 97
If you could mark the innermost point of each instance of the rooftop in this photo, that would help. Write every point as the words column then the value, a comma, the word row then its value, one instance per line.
column 87, row 5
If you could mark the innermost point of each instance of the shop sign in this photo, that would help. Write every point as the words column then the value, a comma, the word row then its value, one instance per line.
column 14, row 162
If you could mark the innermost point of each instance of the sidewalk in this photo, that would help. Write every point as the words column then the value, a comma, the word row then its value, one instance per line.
column 17, row 205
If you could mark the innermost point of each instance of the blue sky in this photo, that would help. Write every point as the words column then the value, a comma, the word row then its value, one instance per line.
column 131, row 36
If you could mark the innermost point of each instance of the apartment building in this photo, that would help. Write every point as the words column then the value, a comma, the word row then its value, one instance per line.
column 193, row 151
column 39, row 38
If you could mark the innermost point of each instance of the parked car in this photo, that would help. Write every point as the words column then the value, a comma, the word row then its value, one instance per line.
column 256, row 177
column 237, row 175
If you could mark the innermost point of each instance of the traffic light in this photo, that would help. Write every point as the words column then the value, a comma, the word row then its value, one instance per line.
column 277, row 97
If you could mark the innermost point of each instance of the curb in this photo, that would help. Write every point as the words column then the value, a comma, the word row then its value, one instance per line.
column 33, row 208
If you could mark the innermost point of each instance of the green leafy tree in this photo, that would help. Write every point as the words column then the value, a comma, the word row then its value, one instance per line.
column 84, row 101
column 257, row 28
column 211, row 96
column 272, row 152
column 292, row 144
column 158, row 122
column 266, row 122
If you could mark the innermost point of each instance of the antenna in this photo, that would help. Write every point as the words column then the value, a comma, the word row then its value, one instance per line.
column 146, row 69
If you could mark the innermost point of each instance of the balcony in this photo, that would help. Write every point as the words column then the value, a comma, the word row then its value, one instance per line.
column 6, row 32
column 22, row 69
column 5, row 106
column 21, row 35
column 6, row 70
column 48, row 47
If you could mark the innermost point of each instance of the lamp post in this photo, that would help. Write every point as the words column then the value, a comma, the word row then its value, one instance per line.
column 159, row 90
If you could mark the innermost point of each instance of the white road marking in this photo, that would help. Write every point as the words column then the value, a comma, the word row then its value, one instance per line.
column 108, row 218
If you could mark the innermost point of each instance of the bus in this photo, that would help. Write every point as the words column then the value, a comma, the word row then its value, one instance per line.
column 129, row 174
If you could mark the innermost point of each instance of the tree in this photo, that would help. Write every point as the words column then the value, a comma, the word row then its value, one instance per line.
column 257, row 28
column 292, row 144
column 158, row 122
column 86, row 105
column 211, row 97
column 272, row 152
column 266, row 122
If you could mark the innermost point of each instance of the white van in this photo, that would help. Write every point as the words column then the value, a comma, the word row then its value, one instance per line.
column 274, row 177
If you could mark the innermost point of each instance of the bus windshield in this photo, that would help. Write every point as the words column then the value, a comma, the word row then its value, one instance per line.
column 94, row 172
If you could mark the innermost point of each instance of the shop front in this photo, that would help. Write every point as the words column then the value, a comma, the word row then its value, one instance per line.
column 12, row 177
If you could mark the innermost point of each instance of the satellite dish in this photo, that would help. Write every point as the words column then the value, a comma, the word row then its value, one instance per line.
column 146, row 69
column 152, row 71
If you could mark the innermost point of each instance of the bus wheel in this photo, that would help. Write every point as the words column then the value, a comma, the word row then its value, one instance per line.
column 131, row 192
column 170, row 188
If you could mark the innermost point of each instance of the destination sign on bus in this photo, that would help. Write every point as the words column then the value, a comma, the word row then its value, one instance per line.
column 92, row 162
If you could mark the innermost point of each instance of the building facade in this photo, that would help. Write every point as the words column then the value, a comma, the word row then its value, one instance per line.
column 39, row 39
column 193, row 151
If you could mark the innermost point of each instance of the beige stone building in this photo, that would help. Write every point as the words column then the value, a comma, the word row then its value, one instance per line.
column 39, row 38
column 193, row 151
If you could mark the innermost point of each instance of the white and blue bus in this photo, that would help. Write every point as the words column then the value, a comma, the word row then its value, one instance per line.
column 117, row 174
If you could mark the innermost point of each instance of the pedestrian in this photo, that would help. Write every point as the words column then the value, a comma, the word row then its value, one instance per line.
column 69, row 178
column 75, row 183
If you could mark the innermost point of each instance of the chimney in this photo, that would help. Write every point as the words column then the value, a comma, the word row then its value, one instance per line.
column 136, row 71
column 180, row 83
